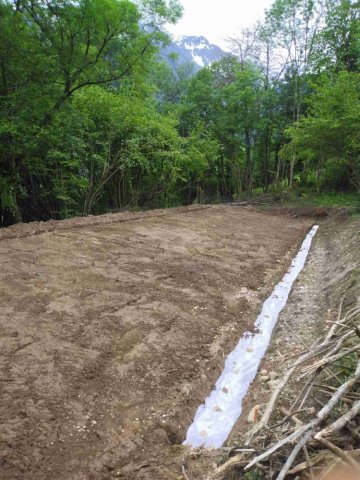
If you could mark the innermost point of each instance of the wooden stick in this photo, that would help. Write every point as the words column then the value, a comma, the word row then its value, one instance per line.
column 230, row 450
column 300, row 467
column 273, row 400
column 184, row 473
column 344, row 325
column 292, row 457
column 308, row 390
column 352, row 395
column 343, row 398
column 290, row 438
column 328, row 470
column 290, row 416
column 308, row 461
column 323, row 456
column 340, row 453
column 274, row 397
column 222, row 470
column 332, row 330
column 340, row 422
column 338, row 343
column 302, row 391
column 356, row 328
column 331, row 359
column 321, row 416
column 324, row 412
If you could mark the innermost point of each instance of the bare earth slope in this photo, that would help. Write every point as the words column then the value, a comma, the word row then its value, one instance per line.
column 112, row 335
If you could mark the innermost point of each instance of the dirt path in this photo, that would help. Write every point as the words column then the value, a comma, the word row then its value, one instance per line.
column 113, row 335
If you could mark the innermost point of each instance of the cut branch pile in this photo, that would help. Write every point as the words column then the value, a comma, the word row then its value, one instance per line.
column 321, row 427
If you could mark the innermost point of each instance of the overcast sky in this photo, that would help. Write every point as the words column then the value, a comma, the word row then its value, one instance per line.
column 216, row 19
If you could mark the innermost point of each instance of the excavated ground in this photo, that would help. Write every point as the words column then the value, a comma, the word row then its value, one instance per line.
column 113, row 332
column 331, row 274
column 331, row 278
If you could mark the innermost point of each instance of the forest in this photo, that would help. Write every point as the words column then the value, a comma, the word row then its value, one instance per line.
column 93, row 121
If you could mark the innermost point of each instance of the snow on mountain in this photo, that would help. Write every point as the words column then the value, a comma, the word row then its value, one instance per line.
column 196, row 49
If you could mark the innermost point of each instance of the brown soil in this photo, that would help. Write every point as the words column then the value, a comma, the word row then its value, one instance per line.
column 113, row 334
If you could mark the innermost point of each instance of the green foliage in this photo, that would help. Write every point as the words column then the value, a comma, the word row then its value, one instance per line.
column 61, row 140
column 6, row 197
column 338, row 45
column 91, row 120
column 324, row 199
column 254, row 475
column 329, row 136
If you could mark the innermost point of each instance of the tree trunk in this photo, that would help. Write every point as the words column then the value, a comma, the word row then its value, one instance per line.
column 248, row 169
column 278, row 166
column 292, row 168
column 266, row 160
column 14, row 181
column 16, row 209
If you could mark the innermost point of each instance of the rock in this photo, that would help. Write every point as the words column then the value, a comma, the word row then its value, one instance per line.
column 273, row 375
column 264, row 378
column 185, row 390
column 263, row 372
column 160, row 437
column 254, row 415
column 273, row 384
column 193, row 454
column 217, row 409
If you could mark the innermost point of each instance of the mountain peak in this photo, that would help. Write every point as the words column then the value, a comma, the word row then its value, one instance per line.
column 193, row 48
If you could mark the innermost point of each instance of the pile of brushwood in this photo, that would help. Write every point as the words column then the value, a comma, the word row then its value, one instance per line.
column 320, row 431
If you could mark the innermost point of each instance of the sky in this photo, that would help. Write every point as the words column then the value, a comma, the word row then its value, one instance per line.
column 216, row 19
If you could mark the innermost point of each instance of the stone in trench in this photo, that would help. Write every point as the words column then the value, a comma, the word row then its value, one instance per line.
column 254, row 415
column 217, row 409
column 160, row 437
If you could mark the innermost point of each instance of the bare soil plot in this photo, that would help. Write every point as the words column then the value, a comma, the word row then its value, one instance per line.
column 112, row 335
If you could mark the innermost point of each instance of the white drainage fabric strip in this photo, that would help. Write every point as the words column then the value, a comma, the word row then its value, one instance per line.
column 214, row 421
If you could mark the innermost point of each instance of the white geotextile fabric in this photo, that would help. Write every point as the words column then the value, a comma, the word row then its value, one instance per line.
column 215, row 419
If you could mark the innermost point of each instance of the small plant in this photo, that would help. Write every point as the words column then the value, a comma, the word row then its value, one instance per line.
column 222, row 459
column 253, row 475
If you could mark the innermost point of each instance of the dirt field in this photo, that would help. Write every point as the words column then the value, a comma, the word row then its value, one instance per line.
column 113, row 334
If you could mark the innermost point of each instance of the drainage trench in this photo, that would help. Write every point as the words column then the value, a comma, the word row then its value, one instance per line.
column 216, row 418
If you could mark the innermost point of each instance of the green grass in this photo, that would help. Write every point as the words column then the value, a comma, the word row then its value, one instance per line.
column 328, row 199
column 307, row 198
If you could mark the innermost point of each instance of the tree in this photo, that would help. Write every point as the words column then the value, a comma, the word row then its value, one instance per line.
column 257, row 45
column 51, row 50
column 338, row 43
column 225, row 99
column 329, row 136
column 295, row 25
